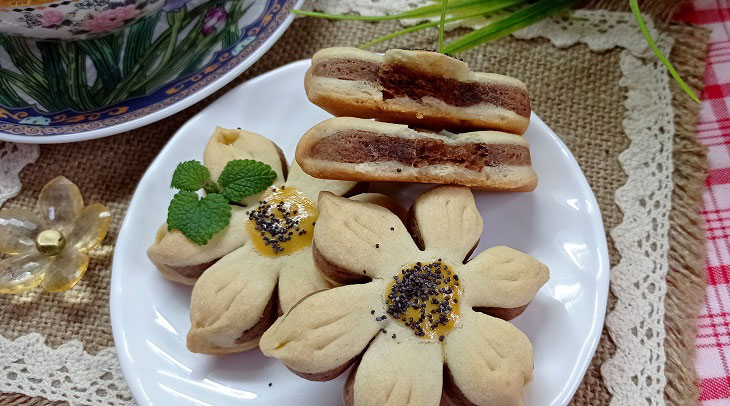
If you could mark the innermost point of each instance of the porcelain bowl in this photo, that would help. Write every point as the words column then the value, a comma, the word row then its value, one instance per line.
column 74, row 19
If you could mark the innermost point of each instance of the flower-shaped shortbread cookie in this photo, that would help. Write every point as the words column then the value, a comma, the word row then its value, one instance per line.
column 261, row 264
column 425, row 319
column 180, row 259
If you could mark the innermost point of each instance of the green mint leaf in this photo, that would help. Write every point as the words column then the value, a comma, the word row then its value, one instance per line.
column 190, row 176
column 245, row 177
column 198, row 219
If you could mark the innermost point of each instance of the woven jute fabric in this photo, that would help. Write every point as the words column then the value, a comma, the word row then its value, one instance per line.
column 577, row 93
column 659, row 10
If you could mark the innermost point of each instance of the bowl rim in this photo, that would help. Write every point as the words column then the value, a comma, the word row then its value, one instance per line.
column 166, row 111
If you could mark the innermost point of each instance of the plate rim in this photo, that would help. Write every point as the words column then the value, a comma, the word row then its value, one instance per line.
column 602, row 274
column 167, row 111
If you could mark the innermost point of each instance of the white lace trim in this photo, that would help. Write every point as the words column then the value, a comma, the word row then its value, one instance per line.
column 65, row 373
column 636, row 373
column 13, row 157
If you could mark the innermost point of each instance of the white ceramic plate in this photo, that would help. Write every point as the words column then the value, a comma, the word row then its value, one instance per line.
column 559, row 223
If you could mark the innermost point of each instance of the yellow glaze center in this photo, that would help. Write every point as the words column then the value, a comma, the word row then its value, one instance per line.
column 425, row 298
column 283, row 222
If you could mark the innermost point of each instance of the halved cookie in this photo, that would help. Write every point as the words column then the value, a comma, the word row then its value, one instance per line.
column 366, row 150
column 421, row 88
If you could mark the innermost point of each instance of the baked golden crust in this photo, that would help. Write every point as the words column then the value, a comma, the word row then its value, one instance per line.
column 172, row 250
column 239, row 291
column 327, row 330
column 498, row 174
column 231, row 297
column 367, row 99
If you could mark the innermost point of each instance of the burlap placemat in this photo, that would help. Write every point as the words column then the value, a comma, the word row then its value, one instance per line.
column 577, row 93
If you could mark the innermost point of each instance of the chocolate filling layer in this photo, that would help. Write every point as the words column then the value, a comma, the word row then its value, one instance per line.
column 400, row 81
column 193, row 271
column 357, row 146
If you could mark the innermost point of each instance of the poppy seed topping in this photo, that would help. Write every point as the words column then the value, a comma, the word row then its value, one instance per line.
column 425, row 299
column 283, row 222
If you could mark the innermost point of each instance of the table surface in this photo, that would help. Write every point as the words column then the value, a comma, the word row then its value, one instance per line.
column 713, row 130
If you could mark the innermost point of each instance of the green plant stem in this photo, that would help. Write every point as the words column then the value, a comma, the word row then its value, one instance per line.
column 637, row 14
column 421, row 12
column 521, row 18
column 442, row 23
column 478, row 11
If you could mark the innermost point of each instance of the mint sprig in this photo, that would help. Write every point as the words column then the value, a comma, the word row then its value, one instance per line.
column 241, row 178
column 190, row 176
column 200, row 219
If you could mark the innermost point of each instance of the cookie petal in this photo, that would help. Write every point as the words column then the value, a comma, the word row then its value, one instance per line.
column 445, row 220
column 354, row 241
column 311, row 186
column 382, row 200
column 489, row 361
column 402, row 371
column 298, row 278
column 232, row 303
column 324, row 333
column 227, row 144
column 182, row 260
column 60, row 202
column 501, row 281
column 18, row 230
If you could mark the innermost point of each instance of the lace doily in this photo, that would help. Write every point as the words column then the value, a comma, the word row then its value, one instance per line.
column 65, row 373
column 13, row 157
column 636, row 373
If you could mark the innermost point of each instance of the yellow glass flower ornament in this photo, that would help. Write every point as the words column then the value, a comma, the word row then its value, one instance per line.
column 50, row 250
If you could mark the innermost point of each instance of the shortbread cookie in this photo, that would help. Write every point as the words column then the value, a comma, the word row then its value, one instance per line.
column 182, row 260
column 413, row 321
column 421, row 88
column 367, row 150
column 238, row 298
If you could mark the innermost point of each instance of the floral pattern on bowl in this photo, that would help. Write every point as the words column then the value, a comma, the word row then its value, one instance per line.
column 73, row 19
column 156, row 65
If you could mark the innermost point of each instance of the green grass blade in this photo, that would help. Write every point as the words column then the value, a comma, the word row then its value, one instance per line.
column 442, row 23
column 473, row 12
column 662, row 58
column 521, row 18
column 421, row 12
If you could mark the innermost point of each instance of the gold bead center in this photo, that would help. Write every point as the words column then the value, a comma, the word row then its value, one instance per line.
column 50, row 242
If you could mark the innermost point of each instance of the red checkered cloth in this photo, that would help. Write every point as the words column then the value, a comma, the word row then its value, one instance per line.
column 713, row 130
